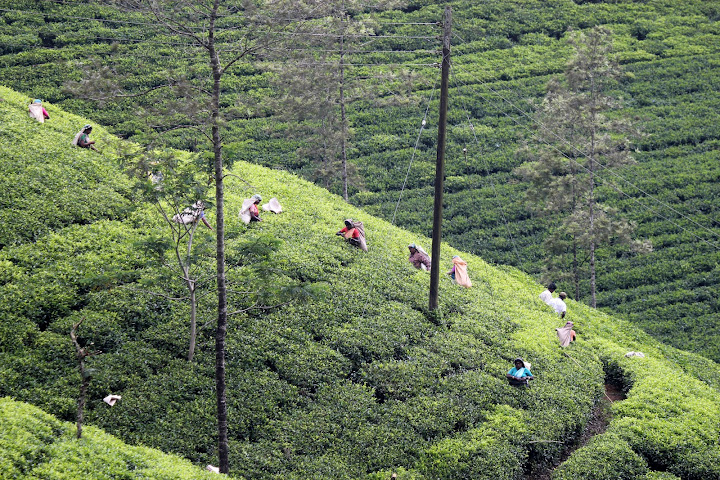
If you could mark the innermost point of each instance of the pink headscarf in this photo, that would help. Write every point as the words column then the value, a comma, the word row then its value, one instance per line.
column 461, row 276
column 565, row 334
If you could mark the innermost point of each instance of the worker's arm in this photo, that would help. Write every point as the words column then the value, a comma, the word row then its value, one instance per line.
column 85, row 142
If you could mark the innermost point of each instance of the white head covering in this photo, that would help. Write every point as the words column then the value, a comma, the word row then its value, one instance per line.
column 273, row 206
column 111, row 399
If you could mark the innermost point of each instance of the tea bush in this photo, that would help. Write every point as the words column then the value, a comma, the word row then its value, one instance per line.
column 34, row 444
column 606, row 457
column 357, row 382
column 503, row 55
column 69, row 185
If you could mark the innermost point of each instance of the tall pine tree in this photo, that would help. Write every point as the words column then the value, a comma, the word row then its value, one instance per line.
column 577, row 143
column 317, row 79
column 214, row 36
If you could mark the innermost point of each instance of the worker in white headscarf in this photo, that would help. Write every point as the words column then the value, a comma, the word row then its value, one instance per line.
column 249, row 211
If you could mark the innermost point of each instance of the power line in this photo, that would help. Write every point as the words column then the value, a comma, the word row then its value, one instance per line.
column 492, row 183
column 417, row 142
column 219, row 45
column 74, row 17
column 341, row 35
column 311, row 64
column 353, row 52
column 612, row 185
column 221, row 29
column 566, row 142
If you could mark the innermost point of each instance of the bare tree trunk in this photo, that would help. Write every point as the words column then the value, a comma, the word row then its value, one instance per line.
column 592, row 195
column 343, row 119
column 592, row 231
column 81, row 399
column 221, row 333
column 81, row 353
column 193, row 324
column 192, row 285
column 576, row 267
column 593, row 302
column 576, row 273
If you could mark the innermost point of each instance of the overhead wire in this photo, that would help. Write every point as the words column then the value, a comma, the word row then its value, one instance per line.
column 609, row 170
column 606, row 168
column 219, row 30
column 311, row 64
column 487, row 172
column 604, row 180
column 156, row 25
column 412, row 157
column 220, row 46
column 352, row 52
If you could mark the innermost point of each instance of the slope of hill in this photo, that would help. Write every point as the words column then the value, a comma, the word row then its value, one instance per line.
column 34, row 444
column 355, row 383
column 503, row 54
column 82, row 186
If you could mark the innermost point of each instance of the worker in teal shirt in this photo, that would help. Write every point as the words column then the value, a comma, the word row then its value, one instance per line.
column 519, row 374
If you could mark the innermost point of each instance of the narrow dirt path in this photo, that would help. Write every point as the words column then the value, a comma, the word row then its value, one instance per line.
column 598, row 423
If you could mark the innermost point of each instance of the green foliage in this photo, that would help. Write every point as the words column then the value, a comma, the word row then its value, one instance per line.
column 362, row 381
column 490, row 451
column 358, row 380
column 70, row 185
column 502, row 56
column 661, row 476
column 34, row 444
column 606, row 457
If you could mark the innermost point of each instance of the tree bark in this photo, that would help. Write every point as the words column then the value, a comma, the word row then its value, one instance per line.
column 193, row 324
column 591, row 199
column 81, row 353
column 223, row 456
column 192, row 285
column 576, row 273
column 343, row 119
column 81, row 399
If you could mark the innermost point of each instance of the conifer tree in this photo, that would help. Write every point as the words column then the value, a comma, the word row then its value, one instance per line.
column 317, row 82
column 577, row 144
column 222, row 34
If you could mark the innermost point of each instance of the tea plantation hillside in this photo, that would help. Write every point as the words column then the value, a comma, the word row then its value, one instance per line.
column 69, row 186
column 357, row 381
column 34, row 444
column 504, row 53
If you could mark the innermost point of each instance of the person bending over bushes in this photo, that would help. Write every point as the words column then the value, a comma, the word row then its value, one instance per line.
column 37, row 111
column 566, row 334
column 82, row 138
column 249, row 211
column 354, row 233
column 458, row 273
column 419, row 257
column 559, row 304
column 519, row 374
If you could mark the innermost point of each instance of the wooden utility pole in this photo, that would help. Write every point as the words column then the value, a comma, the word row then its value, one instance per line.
column 440, row 164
